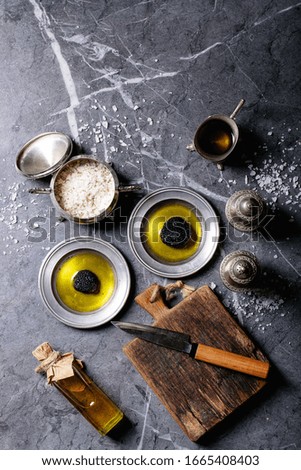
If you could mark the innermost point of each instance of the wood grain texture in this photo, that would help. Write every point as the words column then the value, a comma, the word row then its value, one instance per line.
column 233, row 361
column 197, row 395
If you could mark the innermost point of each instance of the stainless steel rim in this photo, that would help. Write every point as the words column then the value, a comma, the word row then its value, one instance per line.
column 210, row 230
column 114, row 304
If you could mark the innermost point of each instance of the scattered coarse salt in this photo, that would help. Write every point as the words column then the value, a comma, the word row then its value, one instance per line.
column 85, row 190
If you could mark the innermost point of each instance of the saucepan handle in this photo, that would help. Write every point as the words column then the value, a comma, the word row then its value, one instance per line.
column 232, row 361
column 40, row 190
column 237, row 109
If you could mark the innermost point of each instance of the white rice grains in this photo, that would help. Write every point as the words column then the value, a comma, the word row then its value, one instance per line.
column 84, row 189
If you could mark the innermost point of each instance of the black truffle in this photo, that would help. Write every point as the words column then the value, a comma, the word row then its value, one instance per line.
column 176, row 232
column 86, row 282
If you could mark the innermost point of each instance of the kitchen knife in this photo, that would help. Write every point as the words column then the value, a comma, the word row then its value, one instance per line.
column 181, row 342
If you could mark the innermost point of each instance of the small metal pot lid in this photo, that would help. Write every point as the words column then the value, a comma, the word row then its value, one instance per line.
column 201, row 211
column 72, row 248
column 44, row 154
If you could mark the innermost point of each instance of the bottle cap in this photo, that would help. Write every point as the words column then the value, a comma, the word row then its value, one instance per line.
column 56, row 365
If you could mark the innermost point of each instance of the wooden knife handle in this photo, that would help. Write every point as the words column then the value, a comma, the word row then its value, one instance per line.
column 232, row 361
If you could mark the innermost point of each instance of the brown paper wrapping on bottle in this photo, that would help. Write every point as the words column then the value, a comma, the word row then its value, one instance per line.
column 56, row 365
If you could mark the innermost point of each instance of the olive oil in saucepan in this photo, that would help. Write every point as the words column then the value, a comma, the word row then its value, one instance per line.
column 215, row 137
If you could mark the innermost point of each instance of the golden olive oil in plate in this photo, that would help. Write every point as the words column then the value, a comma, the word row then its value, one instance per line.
column 79, row 301
column 155, row 221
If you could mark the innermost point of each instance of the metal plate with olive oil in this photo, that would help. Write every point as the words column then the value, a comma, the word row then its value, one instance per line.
column 80, row 308
column 146, row 223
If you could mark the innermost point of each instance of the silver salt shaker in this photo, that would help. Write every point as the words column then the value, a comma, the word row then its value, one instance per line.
column 238, row 270
column 245, row 210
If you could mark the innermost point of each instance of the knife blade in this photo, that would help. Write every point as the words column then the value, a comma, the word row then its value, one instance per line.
column 181, row 342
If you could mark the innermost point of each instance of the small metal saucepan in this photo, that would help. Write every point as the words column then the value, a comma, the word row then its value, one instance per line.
column 217, row 136
column 47, row 154
column 78, row 160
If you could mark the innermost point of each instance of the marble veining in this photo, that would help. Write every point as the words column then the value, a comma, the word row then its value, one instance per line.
column 130, row 82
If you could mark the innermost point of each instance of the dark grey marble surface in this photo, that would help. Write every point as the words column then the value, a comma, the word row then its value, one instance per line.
column 129, row 81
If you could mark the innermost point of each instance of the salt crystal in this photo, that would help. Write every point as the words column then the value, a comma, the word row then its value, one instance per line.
column 114, row 107
column 270, row 133
column 136, row 107
column 105, row 124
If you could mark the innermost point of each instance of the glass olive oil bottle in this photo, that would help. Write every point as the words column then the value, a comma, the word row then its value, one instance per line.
column 66, row 374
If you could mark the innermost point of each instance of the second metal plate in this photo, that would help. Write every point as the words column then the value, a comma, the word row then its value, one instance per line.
column 208, row 221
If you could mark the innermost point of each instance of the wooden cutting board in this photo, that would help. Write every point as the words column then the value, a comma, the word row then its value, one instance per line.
column 196, row 394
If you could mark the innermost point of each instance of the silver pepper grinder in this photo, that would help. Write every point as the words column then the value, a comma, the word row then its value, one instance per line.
column 245, row 210
column 238, row 270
